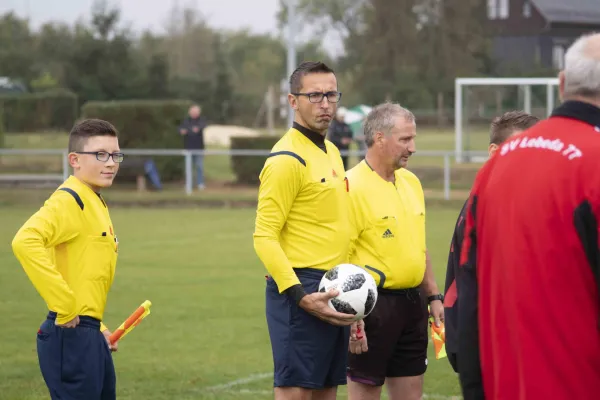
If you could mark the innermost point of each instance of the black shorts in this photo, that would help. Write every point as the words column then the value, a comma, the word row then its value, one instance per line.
column 307, row 352
column 397, row 338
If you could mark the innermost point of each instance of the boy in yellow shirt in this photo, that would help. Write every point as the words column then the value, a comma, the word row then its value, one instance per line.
column 68, row 250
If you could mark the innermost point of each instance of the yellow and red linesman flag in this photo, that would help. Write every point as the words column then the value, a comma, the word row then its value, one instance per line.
column 438, row 337
column 131, row 322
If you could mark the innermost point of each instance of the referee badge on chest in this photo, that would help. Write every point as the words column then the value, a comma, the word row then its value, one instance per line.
column 112, row 233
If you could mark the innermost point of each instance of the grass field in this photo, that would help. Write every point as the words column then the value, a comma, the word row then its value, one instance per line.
column 206, row 337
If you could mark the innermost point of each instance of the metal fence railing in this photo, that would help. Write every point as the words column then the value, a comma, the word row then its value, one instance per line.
column 188, row 158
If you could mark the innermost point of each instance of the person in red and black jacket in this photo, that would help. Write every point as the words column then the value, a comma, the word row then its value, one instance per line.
column 502, row 127
column 531, row 329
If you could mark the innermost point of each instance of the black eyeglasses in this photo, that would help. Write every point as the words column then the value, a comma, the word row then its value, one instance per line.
column 104, row 155
column 317, row 97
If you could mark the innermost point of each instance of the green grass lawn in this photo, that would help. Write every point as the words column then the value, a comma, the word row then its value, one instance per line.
column 207, row 328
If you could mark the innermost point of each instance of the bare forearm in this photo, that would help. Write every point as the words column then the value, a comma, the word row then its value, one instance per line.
column 429, row 284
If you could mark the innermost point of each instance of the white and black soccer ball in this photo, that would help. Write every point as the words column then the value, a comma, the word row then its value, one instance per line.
column 357, row 290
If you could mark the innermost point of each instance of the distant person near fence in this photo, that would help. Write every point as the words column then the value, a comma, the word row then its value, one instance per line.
column 359, row 139
column 192, row 130
column 340, row 134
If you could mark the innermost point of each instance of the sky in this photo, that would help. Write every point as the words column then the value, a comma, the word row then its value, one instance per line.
column 257, row 15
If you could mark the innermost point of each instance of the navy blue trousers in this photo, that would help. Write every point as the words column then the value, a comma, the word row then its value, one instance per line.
column 307, row 352
column 76, row 363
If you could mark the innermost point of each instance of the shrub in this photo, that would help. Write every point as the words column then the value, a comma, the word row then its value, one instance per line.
column 53, row 110
column 1, row 128
column 247, row 168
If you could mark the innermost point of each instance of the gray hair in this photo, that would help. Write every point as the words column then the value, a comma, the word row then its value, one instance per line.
column 582, row 67
column 382, row 118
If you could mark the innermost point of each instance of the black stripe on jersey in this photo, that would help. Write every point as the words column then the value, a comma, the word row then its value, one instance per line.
column 101, row 199
column 289, row 153
column 586, row 225
column 75, row 196
column 381, row 275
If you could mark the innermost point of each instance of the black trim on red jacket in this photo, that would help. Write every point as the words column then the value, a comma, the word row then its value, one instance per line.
column 469, row 365
column 452, row 284
column 579, row 110
column 586, row 225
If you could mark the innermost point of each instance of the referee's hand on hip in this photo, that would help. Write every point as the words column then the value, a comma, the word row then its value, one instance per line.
column 71, row 324
column 317, row 305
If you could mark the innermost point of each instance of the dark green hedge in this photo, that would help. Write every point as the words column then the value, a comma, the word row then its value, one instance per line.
column 54, row 110
column 145, row 124
column 1, row 129
column 247, row 168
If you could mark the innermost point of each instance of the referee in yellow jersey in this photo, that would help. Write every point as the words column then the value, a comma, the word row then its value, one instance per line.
column 301, row 232
column 68, row 250
column 387, row 215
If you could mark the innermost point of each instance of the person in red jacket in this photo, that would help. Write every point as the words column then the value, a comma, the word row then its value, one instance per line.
column 502, row 127
column 531, row 246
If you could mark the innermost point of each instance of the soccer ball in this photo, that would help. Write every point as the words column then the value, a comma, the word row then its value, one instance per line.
column 357, row 290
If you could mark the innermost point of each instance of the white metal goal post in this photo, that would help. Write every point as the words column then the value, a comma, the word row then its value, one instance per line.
column 526, row 83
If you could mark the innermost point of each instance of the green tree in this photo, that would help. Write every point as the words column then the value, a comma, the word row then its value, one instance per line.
column 54, row 43
column 222, row 90
column 188, row 44
column 17, row 53
column 102, row 65
column 458, row 44
column 158, row 77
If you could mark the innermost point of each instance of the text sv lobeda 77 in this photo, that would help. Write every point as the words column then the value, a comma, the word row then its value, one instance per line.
column 570, row 151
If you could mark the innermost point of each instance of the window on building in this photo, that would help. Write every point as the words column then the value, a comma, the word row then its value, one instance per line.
column 558, row 56
column 492, row 9
column 503, row 9
column 527, row 9
column 498, row 9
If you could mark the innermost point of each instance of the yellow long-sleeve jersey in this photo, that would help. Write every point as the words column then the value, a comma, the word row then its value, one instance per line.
column 302, row 216
column 68, row 250
column 387, row 226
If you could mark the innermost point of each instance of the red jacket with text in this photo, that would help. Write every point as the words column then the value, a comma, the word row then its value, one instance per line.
column 530, row 323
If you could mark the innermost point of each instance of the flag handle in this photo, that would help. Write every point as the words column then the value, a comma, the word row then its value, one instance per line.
column 131, row 322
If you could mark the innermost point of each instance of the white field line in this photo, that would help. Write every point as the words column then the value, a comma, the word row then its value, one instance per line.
column 228, row 387
column 242, row 381
column 270, row 392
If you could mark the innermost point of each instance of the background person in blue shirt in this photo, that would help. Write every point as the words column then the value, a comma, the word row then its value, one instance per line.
column 192, row 130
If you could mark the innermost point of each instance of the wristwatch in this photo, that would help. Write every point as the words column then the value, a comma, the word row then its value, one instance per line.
column 434, row 297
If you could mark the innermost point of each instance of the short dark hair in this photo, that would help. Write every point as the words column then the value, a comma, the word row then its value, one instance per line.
column 88, row 128
column 307, row 67
column 504, row 126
